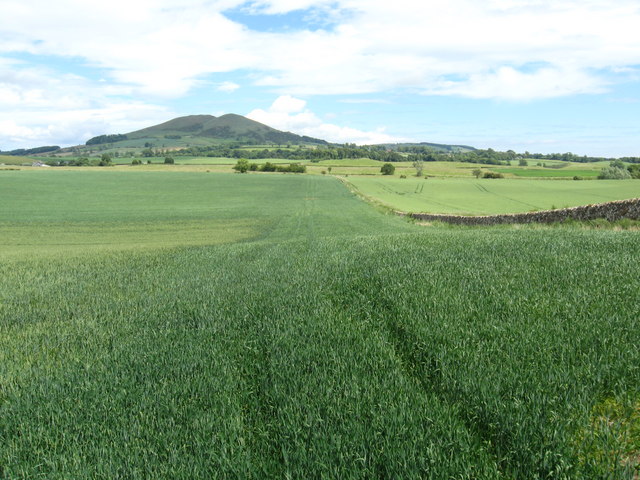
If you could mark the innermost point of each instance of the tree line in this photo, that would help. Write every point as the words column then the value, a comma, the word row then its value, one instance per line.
column 387, row 153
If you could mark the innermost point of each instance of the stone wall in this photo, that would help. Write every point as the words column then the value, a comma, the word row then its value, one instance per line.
column 611, row 211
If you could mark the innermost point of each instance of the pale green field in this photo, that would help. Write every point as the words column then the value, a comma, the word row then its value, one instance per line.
column 80, row 210
column 351, row 162
column 485, row 197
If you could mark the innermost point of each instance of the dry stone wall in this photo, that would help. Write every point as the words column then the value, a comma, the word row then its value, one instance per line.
column 611, row 211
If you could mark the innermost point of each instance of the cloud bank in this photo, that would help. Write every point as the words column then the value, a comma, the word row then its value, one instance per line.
column 511, row 50
column 290, row 114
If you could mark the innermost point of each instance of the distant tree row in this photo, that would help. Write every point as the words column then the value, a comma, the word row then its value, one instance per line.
column 20, row 152
column 105, row 160
column 384, row 153
column 100, row 139
column 243, row 166
column 300, row 153
column 618, row 171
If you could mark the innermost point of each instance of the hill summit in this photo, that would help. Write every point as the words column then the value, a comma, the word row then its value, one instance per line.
column 206, row 129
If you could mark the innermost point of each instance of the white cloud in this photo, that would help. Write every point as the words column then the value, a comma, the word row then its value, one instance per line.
column 279, row 7
column 165, row 47
column 228, row 87
column 508, row 83
column 290, row 114
column 39, row 107
column 516, row 50
column 287, row 104
column 64, row 128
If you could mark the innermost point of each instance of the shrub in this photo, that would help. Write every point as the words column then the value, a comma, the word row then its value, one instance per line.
column 387, row 169
column 634, row 170
column 242, row 165
column 297, row 168
column 169, row 160
column 105, row 160
column 492, row 175
column 614, row 173
column 253, row 167
column 268, row 167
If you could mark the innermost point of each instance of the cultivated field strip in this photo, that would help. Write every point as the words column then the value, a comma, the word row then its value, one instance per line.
column 325, row 349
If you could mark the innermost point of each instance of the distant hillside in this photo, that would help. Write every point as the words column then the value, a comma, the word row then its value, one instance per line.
column 200, row 130
column 438, row 147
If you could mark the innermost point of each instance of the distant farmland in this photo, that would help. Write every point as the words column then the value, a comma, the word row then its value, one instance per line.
column 470, row 196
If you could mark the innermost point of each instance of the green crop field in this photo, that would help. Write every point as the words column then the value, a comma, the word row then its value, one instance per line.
column 548, row 172
column 490, row 196
column 197, row 325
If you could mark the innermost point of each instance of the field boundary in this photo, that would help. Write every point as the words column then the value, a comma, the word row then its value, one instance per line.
column 611, row 211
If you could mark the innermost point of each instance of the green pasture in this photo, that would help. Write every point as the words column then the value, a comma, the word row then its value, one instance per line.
column 351, row 162
column 489, row 196
column 89, row 209
column 13, row 160
column 192, row 325
column 548, row 172
column 229, row 161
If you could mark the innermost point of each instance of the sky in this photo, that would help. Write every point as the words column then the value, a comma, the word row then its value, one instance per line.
column 527, row 75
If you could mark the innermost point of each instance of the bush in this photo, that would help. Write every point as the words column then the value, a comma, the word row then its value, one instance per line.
column 614, row 173
column 169, row 160
column 136, row 161
column 268, row 167
column 296, row 168
column 523, row 163
column 476, row 172
column 253, row 167
column 105, row 160
column 634, row 170
column 242, row 165
column 387, row 169
column 492, row 175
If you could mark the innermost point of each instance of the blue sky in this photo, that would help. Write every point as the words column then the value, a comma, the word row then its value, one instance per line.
column 536, row 75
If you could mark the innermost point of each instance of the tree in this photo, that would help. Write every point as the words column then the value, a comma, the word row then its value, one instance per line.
column 614, row 173
column 477, row 172
column 169, row 160
column 418, row 164
column 242, row 165
column 387, row 169
column 523, row 163
column 105, row 160
column 267, row 167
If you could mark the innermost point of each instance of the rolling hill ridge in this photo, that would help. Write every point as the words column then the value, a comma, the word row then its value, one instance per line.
column 205, row 130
